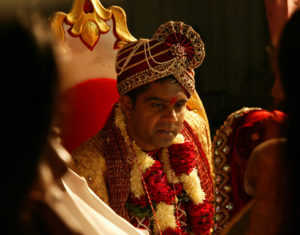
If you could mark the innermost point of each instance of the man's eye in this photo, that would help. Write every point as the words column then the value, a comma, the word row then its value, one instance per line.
column 156, row 105
column 180, row 105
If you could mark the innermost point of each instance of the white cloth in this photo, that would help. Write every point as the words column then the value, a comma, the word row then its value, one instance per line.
column 93, row 215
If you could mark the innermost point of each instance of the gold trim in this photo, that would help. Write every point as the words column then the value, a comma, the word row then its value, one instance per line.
column 142, row 61
column 78, row 18
column 90, row 33
column 56, row 22
column 77, row 11
column 148, row 75
column 101, row 11
column 121, row 29
column 221, row 152
column 140, row 52
column 90, row 25
column 179, row 27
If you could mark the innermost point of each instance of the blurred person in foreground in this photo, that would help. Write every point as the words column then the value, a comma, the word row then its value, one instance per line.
column 39, row 194
column 248, row 127
column 28, row 99
column 271, row 174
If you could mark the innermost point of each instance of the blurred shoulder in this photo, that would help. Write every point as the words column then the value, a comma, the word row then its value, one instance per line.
column 269, row 149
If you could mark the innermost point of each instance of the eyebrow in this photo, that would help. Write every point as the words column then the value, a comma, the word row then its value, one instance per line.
column 149, row 99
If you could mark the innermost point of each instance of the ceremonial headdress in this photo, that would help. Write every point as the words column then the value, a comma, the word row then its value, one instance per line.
column 175, row 49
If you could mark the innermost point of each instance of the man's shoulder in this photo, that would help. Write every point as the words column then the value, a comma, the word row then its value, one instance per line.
column 199, row 125
column 94, row 144
column 89, row 154
column 199, row 128
column 193, row 118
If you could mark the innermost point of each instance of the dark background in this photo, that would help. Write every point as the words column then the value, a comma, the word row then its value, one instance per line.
column 236, row 71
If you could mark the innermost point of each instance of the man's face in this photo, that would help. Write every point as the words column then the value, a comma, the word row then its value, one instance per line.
column 157, row 116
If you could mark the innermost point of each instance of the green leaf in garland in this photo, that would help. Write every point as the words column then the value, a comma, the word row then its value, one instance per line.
column 183, row 197
column 139, row 212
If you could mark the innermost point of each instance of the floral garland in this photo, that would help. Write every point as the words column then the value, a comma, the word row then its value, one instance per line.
column 149, row 176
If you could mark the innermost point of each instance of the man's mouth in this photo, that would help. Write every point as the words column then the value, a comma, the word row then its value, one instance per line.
column 167, row 133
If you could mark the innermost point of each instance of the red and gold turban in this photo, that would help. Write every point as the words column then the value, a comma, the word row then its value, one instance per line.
column 175, row 49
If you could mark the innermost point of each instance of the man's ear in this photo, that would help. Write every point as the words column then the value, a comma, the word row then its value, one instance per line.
column 126, row 105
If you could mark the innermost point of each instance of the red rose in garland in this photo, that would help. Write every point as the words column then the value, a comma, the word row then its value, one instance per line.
column 200, row 217
column 182, row 157
column 157, row 184
column 170, row 231
column 178, row 188
column 176, row 231
column 142, row 201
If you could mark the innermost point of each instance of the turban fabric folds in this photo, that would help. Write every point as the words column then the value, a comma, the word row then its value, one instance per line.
column 175, row 49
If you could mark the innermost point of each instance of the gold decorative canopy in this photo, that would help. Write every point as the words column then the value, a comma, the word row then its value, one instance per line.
column 88, row 20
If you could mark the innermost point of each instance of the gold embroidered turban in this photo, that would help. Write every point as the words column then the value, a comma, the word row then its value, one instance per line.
column 175, row 49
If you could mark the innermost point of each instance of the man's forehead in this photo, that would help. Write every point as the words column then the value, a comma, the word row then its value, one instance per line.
column 165, row 98
column 166, row 86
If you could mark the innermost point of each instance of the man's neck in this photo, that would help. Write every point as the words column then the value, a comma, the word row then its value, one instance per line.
column 132, row 136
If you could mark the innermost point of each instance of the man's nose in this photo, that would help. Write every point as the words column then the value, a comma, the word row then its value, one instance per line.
column 170, row 115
